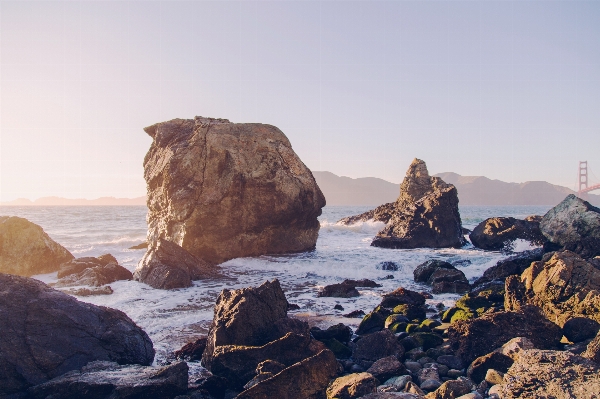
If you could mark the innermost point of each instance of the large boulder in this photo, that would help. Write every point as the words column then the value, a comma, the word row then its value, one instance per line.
column 500, row 233
column 225, row 190
column 166, row 266
column 46, row 333
column 515, row 264
column 245, row 317
column 442, row 276
column 375, row 346
column 477, row 337
column 563, row 285
column 304, row 380
column 78, row 265
column 425, row 215
column 550, row 374
column 401, row 301
column 26, row 250
column 575, row 225
column 95, row 276
column 110, row 380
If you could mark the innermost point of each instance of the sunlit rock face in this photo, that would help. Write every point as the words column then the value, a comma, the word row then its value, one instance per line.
column 425, row 214
column 224, row 190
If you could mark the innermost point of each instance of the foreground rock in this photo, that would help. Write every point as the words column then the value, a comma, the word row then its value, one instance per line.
column 425, row 215
column 512, row 265
column 352, row 386
column 91, row 271
column 26, row 250
column 563, row 285
column 166, row 266
column 480, row 300
column 46, row 333
column 225, row 190
column 109, row 380
column 550, row 374
column 442, row 276
column 575, row 225
column 474, row 338
column 500, row 233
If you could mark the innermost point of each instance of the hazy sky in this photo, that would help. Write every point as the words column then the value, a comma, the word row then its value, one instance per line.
column 505, row 89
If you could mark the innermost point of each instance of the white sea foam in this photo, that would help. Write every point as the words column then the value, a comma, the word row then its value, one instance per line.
column 171, row 318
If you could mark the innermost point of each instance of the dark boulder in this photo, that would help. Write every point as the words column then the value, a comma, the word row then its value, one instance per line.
column 339, row 331
column 95, row 276
column 495, row 360
column 423, row 272
column 166, row 266
column 471, row 339
column 391, row 266
column 500, row 233
column 442, row 276
column 580, row 329
column 425, row 214
column 46, row 333
column 383, row 213
column 303, row 380
column 387, row 367
column 192, row 351
column 374, row 321
column 346, row 289
column 110, row 380
column 575, row 225
column 375, row 346
column 512, row 265
column 245, row 317
column 26, row 250
column 402, row 296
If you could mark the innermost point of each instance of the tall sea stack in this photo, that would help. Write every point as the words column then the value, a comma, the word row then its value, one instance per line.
column 223, row 190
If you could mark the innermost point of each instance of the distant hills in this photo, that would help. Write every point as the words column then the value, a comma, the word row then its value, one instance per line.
column 472, row 190
column 58, row 201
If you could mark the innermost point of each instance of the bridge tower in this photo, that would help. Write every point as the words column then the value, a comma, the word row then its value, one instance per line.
column 583, row 179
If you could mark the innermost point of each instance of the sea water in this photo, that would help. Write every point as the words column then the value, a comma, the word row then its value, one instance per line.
column 172, row 318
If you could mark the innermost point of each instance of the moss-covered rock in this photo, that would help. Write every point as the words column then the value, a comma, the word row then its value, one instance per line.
column 462, row 314
column 340, row 350
column 410, row 328
column 395, row 318
column 428, row 340
column 430, row 323
column 373, row 322
column 398, row 327
column 411, row 312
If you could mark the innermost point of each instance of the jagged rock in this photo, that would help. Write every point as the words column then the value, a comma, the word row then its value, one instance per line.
column 515, row 346
column 451, row 390
column 550, row 374
column 402, row 296
column 478, row 337
column 26, row 250
column 479, row 367
column 386, row 367
column 500, row 233
column 245, row 317
column 564, row 286
column 95, row 276
column 375, row 346
column 110, row 380
column 592, row 351
column 46, row 333
column 192, row 351
column 352, row 386
column 166, row 266
column 494, row 377
column 346, row 289
column 579, row 329
column 302, row 380
column 78, row 265
column 401, row 302
column 443, row 277
column 515, row 264
column 425, row 214
column 225, row 190
column 142, row 245
column 575, row 225
column 383, row 213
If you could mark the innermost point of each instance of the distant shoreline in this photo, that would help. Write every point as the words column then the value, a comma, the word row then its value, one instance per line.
column 59, row 201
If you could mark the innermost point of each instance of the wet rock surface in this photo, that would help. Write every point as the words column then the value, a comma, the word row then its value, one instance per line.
column 94, row 272
column 167, row 266
column 425, row 215
column 346, row 289
column 575, row 225
column 47, row 333
column 383, row 213
column 26, row 250
column 442, row 276
column 110, row 380
column 500, row 233
column 225, row 190
column 513, row 265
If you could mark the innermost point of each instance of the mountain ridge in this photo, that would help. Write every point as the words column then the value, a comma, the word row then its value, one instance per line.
column 60, row 201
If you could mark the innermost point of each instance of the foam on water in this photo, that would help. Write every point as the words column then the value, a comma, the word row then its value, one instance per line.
column 172, row 318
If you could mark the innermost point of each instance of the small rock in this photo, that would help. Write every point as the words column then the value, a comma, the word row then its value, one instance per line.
column 386, row 368
column 355, row 314
column 494, row 377
column 399, row 382
column 515, row 346
column 338, row 307
column 451, row 361
column 411, row 387
column 192, row 351
column 430, row 373
column 414, row 367
column 352, row 386
column 387, row 388
column 425, row 360
column 472, row 395
column 451, row 389
column 430, row 385
column 495, row 360
column 357, row 369
column 453, row 373
column 392, row 266
column 443, row 370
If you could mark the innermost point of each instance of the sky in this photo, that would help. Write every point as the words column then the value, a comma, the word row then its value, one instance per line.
column 505, row 89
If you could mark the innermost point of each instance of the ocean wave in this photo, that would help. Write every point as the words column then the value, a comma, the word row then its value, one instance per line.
column 368, row 227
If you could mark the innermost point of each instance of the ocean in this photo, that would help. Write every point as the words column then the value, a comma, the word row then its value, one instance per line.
column 172, row 318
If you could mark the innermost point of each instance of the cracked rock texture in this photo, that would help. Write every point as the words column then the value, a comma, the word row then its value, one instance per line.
column 224, row 190
column 26, row 250
column 45, row 333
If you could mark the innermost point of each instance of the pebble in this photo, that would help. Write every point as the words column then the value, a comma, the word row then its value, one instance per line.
column 453, row 373
column 443, row 370
column 430, row 385
column 413, row 366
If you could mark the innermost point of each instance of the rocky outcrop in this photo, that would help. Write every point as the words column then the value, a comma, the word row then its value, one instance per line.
column 500, row 233
column 425, row 215
column 224, row 190
column 78, row 265
column 575, row 225
column 110, row 380
column 46, row 333
column 383, row 213
column 166, row 266
column 550, row 374
column 563, row 285
column 515, row 264
column 347, row 288
column 90, row 271
column 442, row 276
column 26, row 250
column 477, row 337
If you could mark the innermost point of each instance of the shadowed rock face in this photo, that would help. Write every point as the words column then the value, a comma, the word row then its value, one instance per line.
column 500, row 232
column 26, row 250
column 575, row 225
column 45, row 333
column 426, row 213
column 224, row 190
